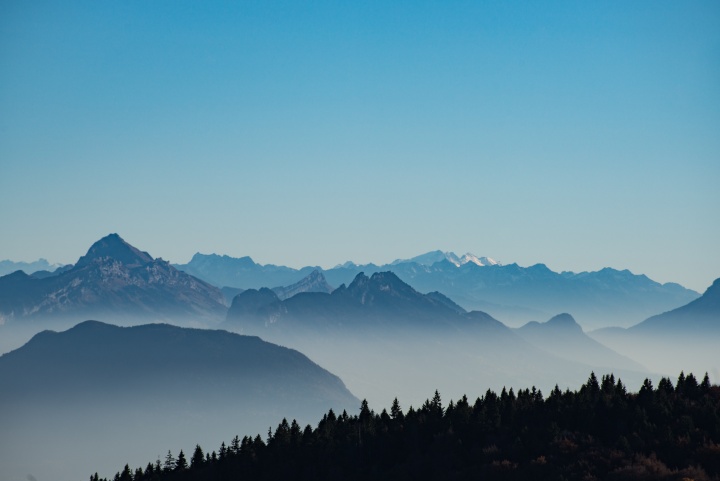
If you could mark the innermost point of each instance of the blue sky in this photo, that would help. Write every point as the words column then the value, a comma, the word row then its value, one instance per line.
column 576, row 134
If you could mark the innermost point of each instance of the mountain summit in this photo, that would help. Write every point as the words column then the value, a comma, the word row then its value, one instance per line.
column 314, row 282
column 113, row 281
column 367, row 303
column 114, row 247
column 432, row 257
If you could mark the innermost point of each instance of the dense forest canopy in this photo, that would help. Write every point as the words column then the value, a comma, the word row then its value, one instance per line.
column 601, row 431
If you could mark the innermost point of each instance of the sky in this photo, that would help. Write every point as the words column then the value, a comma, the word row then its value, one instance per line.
column 580, row 135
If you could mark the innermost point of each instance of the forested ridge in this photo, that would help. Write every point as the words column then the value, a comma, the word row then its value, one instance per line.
column 601, row 431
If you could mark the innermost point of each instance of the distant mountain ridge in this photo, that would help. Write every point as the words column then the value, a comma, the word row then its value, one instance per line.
column 512, row 293
column 113, row 280
column 8, row 267
column 243, row 272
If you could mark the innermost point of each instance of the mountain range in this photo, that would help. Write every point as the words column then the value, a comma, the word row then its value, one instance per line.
column 512, row 293
column 105, row 392
column 139, row 286
column 40, row 265
column 114, row 281
column 384, row 335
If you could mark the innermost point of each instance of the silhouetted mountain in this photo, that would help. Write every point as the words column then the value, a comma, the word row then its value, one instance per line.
column 509, row 292
column 104, row 358
column 314, row 282
column 114, row 280
column 123, row 391
column 685, row 338
column 250, row 301
column 701, row 316
column 564, row 337
column 368, row 302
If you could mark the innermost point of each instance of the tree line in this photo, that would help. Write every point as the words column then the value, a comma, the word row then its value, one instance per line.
column 601, row 431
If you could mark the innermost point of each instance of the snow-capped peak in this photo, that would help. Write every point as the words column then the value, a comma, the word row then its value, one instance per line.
column 481, row 261
column 430, row 258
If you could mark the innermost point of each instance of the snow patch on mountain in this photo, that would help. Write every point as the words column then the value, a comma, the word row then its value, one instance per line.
column 432, row 257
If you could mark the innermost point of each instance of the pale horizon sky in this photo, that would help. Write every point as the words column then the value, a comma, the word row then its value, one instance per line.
column 575, row 134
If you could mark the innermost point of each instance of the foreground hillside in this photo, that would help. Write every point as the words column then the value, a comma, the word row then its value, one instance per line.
column 601, row 431
column 98, row 390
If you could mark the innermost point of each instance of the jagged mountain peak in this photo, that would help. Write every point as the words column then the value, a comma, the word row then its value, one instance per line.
column 313, row 282
column 380, row 281
column 381, row 287
column 113, row 246
column 250, row 300
column 114, row 280
column 480, row 261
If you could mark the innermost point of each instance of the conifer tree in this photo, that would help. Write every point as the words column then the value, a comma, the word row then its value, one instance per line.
column 181, row 463
column 126, row 474
column 436, row 404
column 705, row 384
column 395, row 410
column 364, row 411
column 169, row 462
column 198, row 458
column 235, row 445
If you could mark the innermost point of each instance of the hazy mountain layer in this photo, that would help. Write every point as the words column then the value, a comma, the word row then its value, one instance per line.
column 564, row 337
column 104, row 392
column 701, row 316
column 685, row 338
column 381, row 336
column 514, row 294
